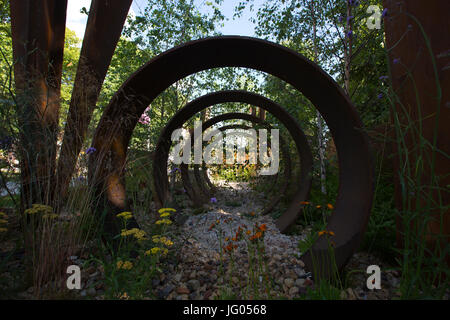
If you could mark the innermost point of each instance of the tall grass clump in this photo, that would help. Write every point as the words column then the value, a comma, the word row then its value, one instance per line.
column 422, row 257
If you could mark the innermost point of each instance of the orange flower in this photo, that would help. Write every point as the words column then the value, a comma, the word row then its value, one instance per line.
column 258, row 234
column 226, row 239
column 211, row 226
column 304, row 202
column 263, row 227
column 252, row 213
column 228, row 248
column 330, row 206
column 318, row 206
column 248, row 232
column 234, row 238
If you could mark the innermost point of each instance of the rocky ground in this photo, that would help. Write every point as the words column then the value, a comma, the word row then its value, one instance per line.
column 200, row 269
column 198, row 276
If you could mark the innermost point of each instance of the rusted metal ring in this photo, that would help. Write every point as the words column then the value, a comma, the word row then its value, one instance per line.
column 201, row 103
column 281, row 191
column 356, row 178
column 248, row 117
column 201, row 177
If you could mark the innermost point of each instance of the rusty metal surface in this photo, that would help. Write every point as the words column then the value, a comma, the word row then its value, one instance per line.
column 356, row 178
column 38, row 30
column 415, row 78
column 103, row 30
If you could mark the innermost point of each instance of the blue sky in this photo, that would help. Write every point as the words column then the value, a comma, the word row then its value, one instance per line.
column 242, row 26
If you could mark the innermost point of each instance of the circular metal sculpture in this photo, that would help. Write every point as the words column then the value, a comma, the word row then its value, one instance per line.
column 356, row 181
column 281, row 191
column 204, row 177
column 227, row 95
column 163, row 146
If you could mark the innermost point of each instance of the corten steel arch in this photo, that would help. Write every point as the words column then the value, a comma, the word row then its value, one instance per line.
column 204, row 176
column 164, row 142
column 355, row 194
column 197, row 195
column 203, row 188
column 287, row 172
column 301, row 141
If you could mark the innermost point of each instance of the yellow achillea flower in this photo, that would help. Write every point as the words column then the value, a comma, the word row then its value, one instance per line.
column 163, row 221
column 165, row 241
column 137, row 233
column 126, row 265
column 140, row 235
column 3, row 229
column 39, row 208
column 162, row 210
column 125, row 215
column 165, row 214
column 154, row 250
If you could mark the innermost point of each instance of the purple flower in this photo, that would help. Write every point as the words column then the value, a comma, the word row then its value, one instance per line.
column 174, row 170
column 6, row 143
column 396, row 60
column 350, row 34
column 353, row 2
column 380, row 95
column 213, row 200
column 384, row 13
column 384, row 77
column 341, row 18
column 90, row 150
column 184, row 190
column 145, row 119
column 349, row 18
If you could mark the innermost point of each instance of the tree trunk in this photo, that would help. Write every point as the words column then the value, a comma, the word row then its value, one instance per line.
column 320, row 133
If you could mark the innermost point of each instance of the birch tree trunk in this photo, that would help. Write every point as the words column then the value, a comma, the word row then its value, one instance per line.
column 320, row 133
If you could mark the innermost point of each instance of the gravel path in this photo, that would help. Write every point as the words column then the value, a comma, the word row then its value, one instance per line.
column 198, row 274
